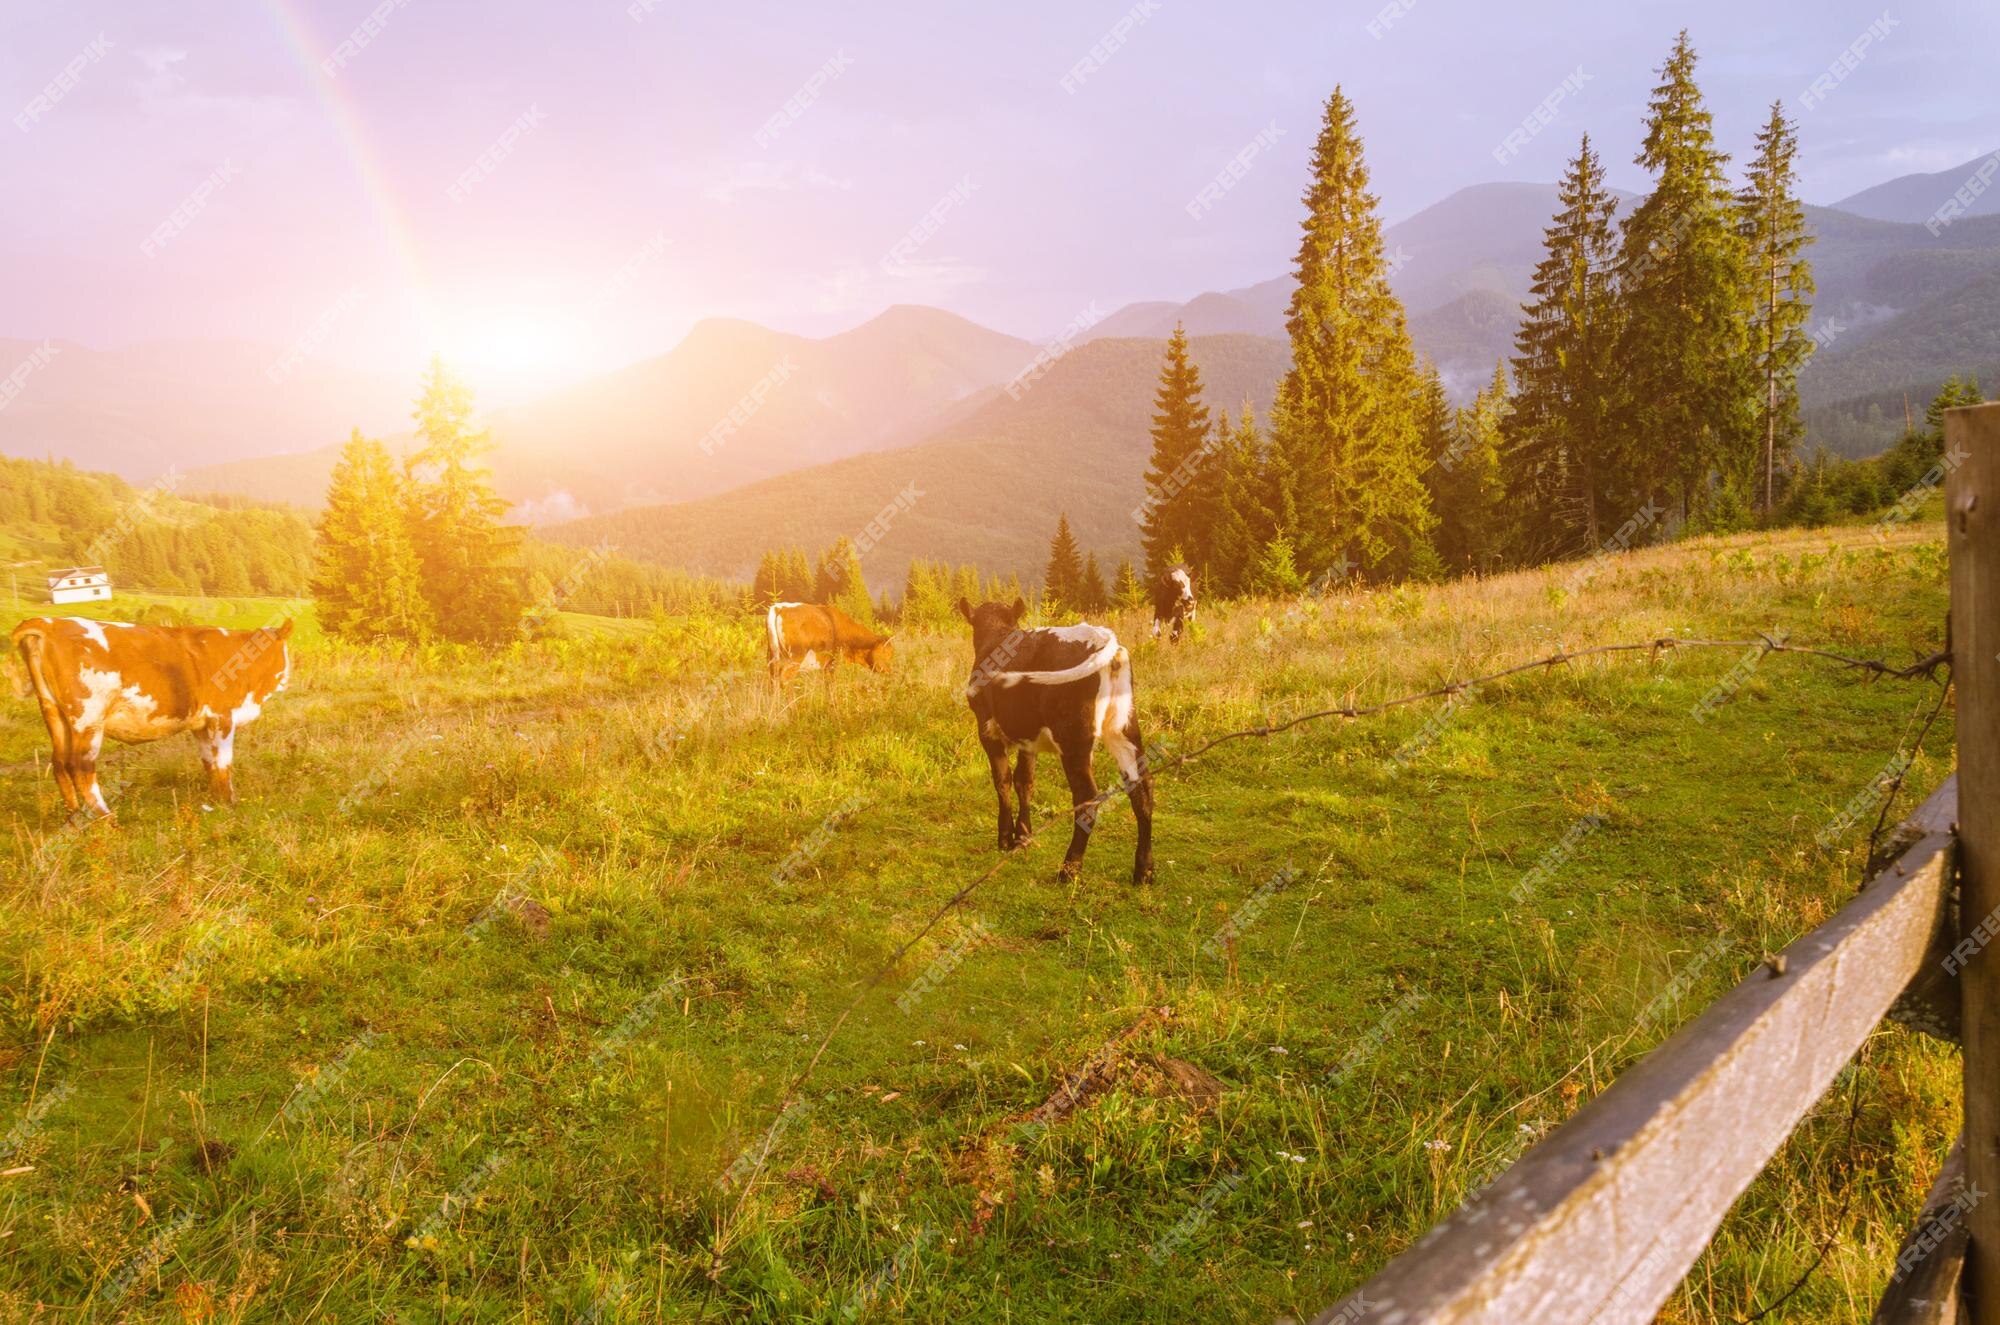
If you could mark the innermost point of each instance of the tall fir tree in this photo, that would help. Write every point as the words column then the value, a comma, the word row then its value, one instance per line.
column 1682, row 355
column 1243, row 523
column 1345, row 453
column 1773, row 226
column 840, row 583
column 1466, row 483
column 1063, row 580
column 1561, row 458
column 366, row 580
column 1091, row 593
column 1180, row 496
column 471, row 558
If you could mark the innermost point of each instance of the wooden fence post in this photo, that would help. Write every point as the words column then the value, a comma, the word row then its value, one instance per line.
column 1972, row 515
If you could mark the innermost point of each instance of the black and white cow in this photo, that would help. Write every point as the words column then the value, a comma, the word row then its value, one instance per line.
column 1173, row 602
column 1059, row 690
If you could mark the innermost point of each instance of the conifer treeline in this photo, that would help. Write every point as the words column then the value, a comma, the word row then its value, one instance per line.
column 1655, row 371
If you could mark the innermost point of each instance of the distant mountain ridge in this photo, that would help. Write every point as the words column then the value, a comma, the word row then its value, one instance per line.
column 1919, row 197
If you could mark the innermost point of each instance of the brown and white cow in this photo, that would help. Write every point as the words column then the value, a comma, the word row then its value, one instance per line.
column 140, row 683
column 1173, row 602
column 1057, row 690
column 820, row 633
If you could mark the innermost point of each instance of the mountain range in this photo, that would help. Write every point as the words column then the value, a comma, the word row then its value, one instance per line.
column 742, row 436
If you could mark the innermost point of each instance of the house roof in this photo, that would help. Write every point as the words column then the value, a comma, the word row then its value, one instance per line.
column 77, row 572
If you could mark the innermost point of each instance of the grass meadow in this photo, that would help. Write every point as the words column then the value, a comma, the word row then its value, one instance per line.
column 471, row 1009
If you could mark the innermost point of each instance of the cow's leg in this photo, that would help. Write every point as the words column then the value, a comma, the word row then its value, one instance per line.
column 781, row 671
column 1076, row 753
column 1024, row 793
column 1128, row 748
column 1156, row 625
column 218, row 753
column 996, row 760
column 62, row 757
column 84, row 749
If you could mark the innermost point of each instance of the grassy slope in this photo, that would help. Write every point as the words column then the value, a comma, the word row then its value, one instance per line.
column 185, row 973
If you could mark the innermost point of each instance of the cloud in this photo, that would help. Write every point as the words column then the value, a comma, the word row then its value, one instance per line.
column 918, row 281
column 771, row 177
column 161, row 79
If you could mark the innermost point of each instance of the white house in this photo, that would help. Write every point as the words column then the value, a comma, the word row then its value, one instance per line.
column 80, row 584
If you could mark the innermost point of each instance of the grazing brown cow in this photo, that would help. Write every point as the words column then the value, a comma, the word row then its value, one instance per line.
column 1059, row 690
column 139, row 683
column 819, row 632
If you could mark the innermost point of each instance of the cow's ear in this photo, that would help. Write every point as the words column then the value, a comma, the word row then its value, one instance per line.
column 285, row 631
column 965, row 610
column 1020, row 610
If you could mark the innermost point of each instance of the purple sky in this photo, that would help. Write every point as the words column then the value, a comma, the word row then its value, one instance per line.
column 647, row 183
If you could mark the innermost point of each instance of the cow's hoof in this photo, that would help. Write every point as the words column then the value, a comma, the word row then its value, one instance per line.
column 1143, row 875
column 1068, row 871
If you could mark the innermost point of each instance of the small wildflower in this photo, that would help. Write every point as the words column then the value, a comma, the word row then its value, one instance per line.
column 1439, row 1144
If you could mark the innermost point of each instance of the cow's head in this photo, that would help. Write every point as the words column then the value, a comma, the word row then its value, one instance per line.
column 991, row 623
column 1181, row 580
column 879, row 655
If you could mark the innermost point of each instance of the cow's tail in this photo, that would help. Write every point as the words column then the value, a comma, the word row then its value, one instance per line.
column 30, row 680
column 1095, row 663
column 774, row 629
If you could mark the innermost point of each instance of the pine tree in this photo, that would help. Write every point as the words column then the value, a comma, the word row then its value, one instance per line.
column 769, row 586
column 365, row 577
column 1465, row 483
column 839, row 582
column 1345, row 453
column 797, row 577
column 1180, row 497
column 1091, row 594
column 1128, row 594
column 1682, row 355
column 1243, row 524
column 1561, row 459
column 1773, row 226
column 1276, row 574
column 473, row 578
column 1063, row 580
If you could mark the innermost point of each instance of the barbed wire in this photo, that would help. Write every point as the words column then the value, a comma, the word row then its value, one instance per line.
column 1923, row 667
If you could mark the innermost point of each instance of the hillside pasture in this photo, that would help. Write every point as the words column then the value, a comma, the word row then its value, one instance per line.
column 474, row 1007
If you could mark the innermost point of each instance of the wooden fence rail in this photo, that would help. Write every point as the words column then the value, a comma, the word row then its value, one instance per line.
column 1601, row 1220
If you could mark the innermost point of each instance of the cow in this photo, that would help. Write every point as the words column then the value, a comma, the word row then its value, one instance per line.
column 1058, row 690
column 1173, row 602
column 95, row 679
column 798, row 633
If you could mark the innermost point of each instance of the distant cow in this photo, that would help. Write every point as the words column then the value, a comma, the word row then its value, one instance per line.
column 1173, row 602
column 819, row 632
column 1059, row 690
column 139, row 683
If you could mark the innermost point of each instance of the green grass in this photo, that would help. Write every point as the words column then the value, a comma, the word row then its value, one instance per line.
column 171, row 982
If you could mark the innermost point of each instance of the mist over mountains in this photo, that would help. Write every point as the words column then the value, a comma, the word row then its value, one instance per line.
column 742, row 435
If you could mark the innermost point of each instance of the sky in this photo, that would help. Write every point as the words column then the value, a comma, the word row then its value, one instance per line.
column 544, row 190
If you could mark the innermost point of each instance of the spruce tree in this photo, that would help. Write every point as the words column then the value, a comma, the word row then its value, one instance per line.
column 1063, row 579
column 1276, row 574
column 1773, row 225
column 1243, row 523
column 365, row 576
column 768, row 587
column 1562, row 461
column 473, row 579
column 1091, row 594
column 1128, row 594
column 1346, row 458
column 1180, row 497
column 1681, row 275
column 840, row 583
column 1465, row 483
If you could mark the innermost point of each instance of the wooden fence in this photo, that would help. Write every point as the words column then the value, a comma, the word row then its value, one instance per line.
column 1601, row 1220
